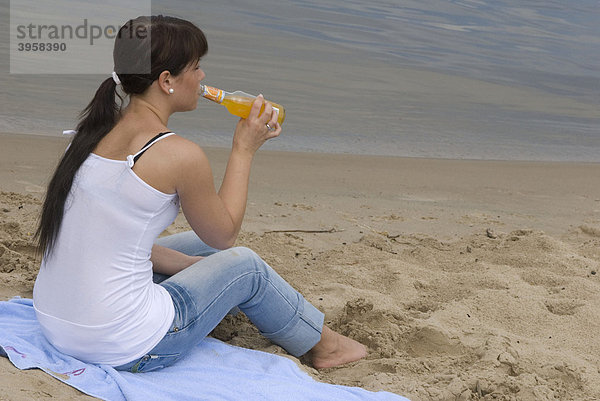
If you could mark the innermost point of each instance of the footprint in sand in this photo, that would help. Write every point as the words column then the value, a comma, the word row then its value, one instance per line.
column 563, row 307
column 428, row 340
column 381, row 331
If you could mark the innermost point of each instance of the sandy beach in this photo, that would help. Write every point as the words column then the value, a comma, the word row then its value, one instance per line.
column 466, row 279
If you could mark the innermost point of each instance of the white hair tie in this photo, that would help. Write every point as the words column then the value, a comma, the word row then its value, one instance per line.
column 116, row 78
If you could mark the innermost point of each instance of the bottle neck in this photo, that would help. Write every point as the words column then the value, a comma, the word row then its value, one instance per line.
column 212, row 93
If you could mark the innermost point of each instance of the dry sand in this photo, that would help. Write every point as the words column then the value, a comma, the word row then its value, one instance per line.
column 466, row 279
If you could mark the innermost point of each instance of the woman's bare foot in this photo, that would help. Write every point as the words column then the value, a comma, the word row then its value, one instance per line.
column 335, row 349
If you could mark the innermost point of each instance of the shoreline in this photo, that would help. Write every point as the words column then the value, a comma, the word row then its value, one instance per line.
column 53, row 137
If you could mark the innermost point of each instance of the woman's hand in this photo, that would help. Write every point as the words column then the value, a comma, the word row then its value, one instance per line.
column 253, row 131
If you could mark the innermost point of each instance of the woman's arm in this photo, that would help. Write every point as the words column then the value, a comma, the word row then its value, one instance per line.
column 250, row 135
column 169, row 261
column 217, row 217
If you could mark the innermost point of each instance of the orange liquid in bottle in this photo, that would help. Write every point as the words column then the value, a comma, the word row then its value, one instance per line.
column 238, row 103
column 240, row 106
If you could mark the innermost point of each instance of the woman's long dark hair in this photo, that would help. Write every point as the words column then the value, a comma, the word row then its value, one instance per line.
column 144, row 48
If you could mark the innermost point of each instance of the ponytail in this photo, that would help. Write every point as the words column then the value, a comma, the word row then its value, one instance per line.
column 96, row 120
column 175, row 44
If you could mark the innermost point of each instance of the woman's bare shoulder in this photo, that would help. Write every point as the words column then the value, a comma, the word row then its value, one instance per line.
column 183, row 151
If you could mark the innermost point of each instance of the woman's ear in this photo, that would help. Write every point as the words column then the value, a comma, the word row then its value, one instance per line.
column 165, row 81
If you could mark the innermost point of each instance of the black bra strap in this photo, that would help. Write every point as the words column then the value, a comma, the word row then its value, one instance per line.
column 147, row 145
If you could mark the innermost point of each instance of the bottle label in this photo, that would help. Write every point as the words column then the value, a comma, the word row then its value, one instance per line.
column 214, row 94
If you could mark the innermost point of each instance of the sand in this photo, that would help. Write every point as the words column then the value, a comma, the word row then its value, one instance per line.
column 466, row 279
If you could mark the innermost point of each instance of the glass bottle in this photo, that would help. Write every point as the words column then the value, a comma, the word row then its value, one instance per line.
column 238, row 103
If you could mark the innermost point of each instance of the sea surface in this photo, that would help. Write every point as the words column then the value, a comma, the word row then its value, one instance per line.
column 462, row 79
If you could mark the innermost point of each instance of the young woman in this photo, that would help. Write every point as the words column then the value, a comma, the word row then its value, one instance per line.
column 120, row 184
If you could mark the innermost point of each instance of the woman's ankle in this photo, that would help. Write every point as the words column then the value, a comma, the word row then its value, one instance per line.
column 335, row 349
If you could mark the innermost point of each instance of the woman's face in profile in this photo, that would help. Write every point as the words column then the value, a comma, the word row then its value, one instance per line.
column 188, row 87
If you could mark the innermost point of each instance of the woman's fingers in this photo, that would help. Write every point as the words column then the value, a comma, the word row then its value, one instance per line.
column 268, row 118
column 274, row 115
column 258, row 127
column 273, row 126
column 256, row 106
column 268, row 113
column 274, row 133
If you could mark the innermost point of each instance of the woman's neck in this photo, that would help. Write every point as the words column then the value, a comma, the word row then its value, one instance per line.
column 140, row 108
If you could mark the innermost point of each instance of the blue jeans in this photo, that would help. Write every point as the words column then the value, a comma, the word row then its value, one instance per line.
column 206, row 291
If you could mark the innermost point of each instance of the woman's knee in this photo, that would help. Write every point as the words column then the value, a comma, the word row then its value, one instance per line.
column 244, row 253
column 248, row 258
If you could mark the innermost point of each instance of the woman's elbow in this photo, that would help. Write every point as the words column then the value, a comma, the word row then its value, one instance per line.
column 222, row 242
column 225, row 245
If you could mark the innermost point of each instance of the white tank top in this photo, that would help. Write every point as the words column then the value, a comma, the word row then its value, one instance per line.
column 94, row 296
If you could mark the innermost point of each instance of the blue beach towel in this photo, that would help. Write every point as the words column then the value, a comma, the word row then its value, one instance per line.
column 213, row 371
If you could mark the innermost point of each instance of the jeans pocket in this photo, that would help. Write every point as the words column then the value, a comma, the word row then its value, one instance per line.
column 151, row 362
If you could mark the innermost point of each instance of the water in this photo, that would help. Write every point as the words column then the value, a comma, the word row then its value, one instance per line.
column 477, row 79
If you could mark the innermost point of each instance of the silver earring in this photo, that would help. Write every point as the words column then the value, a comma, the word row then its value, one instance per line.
column 171, row 90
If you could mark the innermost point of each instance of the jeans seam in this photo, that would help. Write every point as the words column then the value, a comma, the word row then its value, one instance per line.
column 140, row 369
column 180, row 290
column 277, row 290
column 281, row 294
column 311, row 323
